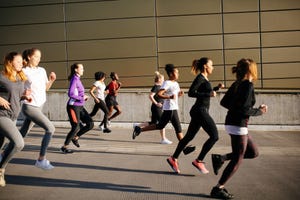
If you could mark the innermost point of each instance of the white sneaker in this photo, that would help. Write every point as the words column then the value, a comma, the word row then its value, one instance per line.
column 44, row 164
column 2, row 180
column 108, row 123
column 134, row 125
column 101, row 128
column 166, row 141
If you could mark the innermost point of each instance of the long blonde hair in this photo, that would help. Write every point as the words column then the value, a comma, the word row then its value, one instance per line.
column 8, row 70
column 158, row 76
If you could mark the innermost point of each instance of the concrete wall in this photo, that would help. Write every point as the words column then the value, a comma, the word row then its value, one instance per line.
column 283, row 108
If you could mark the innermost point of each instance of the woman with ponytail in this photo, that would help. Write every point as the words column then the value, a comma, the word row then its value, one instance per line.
column 201, row 90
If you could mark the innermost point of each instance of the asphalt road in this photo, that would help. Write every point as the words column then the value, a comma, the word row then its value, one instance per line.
column 113, row 166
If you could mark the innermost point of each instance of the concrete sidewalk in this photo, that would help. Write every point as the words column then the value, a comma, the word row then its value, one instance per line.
column 113, row 166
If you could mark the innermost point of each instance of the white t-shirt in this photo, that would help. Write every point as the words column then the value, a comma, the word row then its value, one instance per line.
column 171, row 88
column 100, row 89
column 37, row 81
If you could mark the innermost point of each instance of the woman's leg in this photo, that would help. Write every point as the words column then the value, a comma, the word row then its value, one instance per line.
column 36, row 115
column 176, row 124
column 252, row 150
column 95, row 109
column 239, row 146
column 74, row 118
column 118, row 112
column 85, row 118
column 193, row 128
column 105, row 111
column 210, row 128
column 9, row 130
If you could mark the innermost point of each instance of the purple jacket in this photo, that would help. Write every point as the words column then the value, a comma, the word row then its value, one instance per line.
column 76, row 92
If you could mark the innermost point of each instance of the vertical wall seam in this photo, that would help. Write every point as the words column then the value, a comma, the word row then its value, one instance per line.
column 223, row 43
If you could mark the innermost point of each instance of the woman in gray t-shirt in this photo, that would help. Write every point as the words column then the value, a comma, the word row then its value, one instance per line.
column 12, row 91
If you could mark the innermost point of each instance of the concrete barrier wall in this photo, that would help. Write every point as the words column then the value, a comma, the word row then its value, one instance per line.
column 283, row 108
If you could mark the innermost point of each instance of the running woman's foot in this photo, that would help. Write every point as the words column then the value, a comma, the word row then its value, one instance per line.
column 200, row 166
column 75, row 142
column 189, row 149
column 66, row 150
column 136, row 131
column 166, row 141
column 44, row 164
column 220, row 193
column 216, row 162
column 106, row 130
column 2, row 180
column 174, row 164
column 101, row 128
column 108, row 123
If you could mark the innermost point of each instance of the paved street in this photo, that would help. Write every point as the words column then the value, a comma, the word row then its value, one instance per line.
column 113, row 166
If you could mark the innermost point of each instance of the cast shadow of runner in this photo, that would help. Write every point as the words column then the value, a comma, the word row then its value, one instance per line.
column 24, row 161
column 53, row 182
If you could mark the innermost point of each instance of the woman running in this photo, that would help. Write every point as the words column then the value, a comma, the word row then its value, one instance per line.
column 111, row 98
column 38, row 83
column 156, row 107
column 170, row 92
column 239, row 100
column 12, row 80
column 201, row 90
column 99, row 86
column 75, row 108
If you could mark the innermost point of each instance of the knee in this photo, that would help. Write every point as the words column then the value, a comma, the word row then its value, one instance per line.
column 214, row 138
column 90, row 125
column 19, row 145
column 254, row 154
column 51, row 129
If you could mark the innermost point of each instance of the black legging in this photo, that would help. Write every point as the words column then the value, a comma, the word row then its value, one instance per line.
column 77, row 114
column 199, row 118
column 103, row 107
column 242, row 147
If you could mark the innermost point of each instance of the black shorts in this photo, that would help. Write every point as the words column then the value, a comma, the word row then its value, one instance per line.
column 111, row 101
column 170, row 115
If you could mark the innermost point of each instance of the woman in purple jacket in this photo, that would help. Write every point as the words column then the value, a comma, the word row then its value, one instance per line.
column 76, row 112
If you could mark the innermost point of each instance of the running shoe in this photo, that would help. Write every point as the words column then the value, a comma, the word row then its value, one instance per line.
column 166, row 141
column 216, row 162
column 106, row 130
column 189, row 149
column 136, row 131
column 135, row 124
column 200, row 166
column 101, row 128
column 66, row 150
column 75, row 142
column 44, row 164
column 108, row 123
column 174, row 164
column 2, row 180
column 220, row 193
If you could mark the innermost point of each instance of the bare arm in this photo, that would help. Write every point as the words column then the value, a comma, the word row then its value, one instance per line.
column 52, row 78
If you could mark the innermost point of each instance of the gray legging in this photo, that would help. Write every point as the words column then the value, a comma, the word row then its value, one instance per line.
column 34, row 115
column 9, row 130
